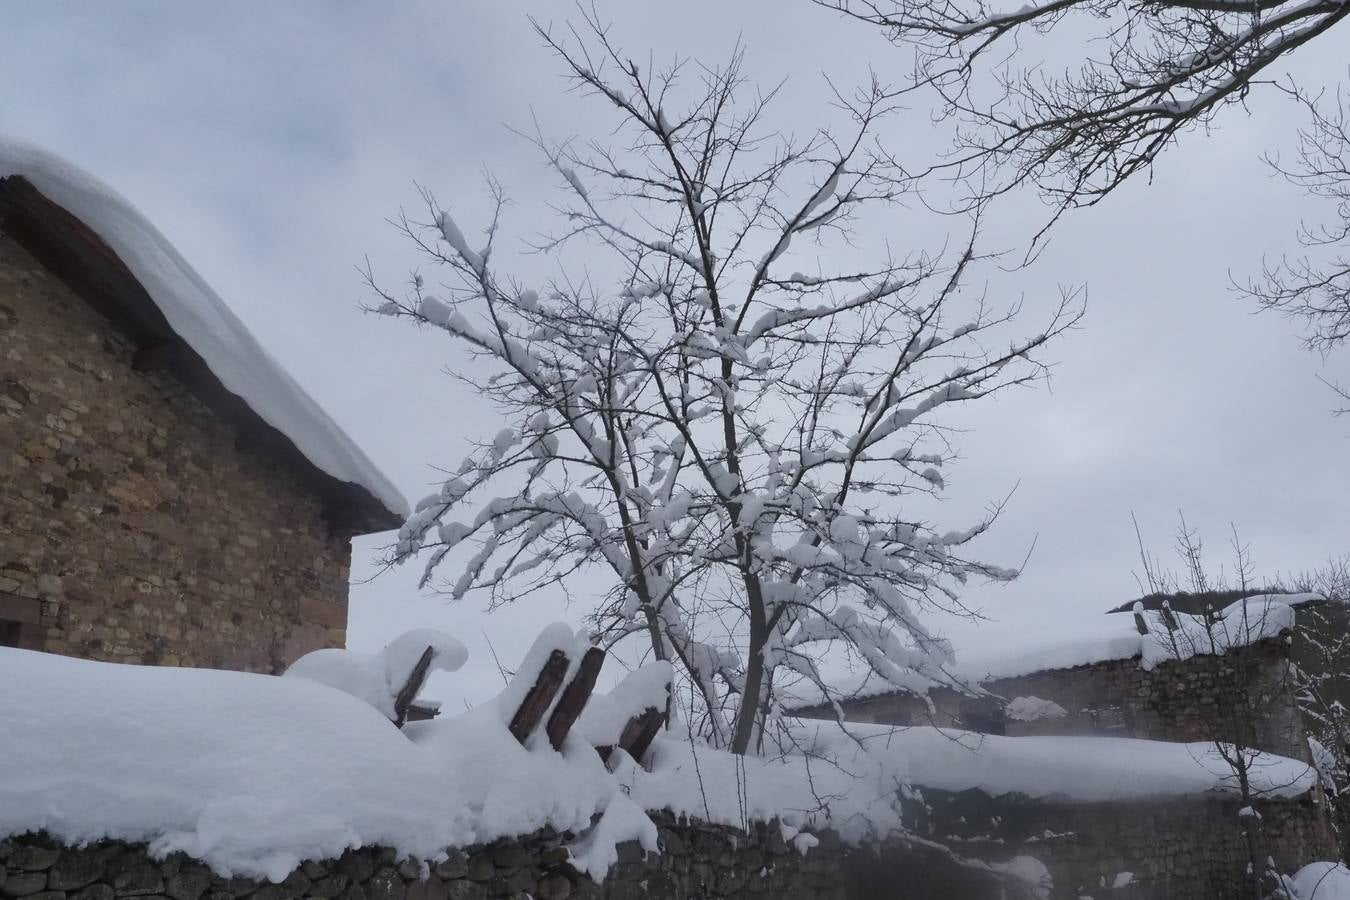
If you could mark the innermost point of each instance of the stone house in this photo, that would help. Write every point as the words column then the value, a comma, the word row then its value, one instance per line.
column 1181, row 698
column 168, row 495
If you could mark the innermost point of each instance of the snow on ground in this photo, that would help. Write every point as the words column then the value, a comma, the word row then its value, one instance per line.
column 1019, row 647
column 201, row 317
column 254, row 773
column 1320, row 881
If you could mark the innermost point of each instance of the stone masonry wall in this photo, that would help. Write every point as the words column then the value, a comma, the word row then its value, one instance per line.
column 1178, row 700
column 132, row 528
column 696, row 862
column 1189, row 848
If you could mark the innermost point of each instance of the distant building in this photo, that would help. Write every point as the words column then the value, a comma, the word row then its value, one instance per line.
column 168, row 495
column 1156, row 686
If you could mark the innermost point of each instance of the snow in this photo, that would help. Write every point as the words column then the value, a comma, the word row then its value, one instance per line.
column 1065, row 769
column 1030, row 709
column 1031, row 871
column 201, row 318
column 605, row 715
column 1320, row 881
column 253, row 773
column 376, row 678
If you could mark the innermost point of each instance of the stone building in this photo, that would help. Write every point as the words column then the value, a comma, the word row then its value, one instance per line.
column 168, row 495
column 1172, row 693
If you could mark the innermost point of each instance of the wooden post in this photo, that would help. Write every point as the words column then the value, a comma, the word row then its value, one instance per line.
column 1169, row 617
column 574, row 697
column 640, row 731
column 408, row 693
column 540, row 695
column 1139, row 624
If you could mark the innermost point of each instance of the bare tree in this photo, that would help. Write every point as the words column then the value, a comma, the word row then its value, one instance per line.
column 727, row 440
column 1322, row 677
column 1259, row 703
column 1142, row 74
column 1315, row 290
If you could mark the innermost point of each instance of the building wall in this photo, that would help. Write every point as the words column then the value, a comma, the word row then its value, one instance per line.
column 132, row 528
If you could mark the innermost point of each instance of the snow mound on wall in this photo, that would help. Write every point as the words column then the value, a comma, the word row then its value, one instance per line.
column 1056, row 768
column 201, row 318
column 376, row 678
column 254, row 774
column 1032, row 709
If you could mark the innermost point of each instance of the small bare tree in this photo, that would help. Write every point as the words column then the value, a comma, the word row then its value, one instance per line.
column 1255, row 709
column 728, row 439
column 1315, row 290
column 1322, row 679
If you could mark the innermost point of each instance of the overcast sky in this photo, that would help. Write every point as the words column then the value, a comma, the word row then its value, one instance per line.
column 271, row 142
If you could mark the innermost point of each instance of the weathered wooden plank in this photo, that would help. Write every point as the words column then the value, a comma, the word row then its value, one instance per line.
column 641, row 730
column 540, row 696
column 574, row 697
column 412, row 687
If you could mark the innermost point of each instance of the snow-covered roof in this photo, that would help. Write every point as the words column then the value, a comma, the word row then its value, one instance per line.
column 254, row 773
column 1091, row 637
column 203, row 321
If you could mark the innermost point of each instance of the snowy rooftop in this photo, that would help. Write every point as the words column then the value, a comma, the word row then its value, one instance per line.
column 990, row 651
column 254, row 773
column 202, row 319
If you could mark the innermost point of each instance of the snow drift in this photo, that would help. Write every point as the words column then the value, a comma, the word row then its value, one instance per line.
column 254, row 774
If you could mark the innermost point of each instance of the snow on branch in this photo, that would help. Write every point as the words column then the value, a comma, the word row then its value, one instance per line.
column 740, row 462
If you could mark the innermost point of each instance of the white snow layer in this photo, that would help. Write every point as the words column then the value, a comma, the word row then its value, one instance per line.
column 254, row 774
column 1320, row 881
column 200, row 317
column 376, row 678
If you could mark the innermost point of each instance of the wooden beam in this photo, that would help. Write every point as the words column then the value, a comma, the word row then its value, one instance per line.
column 408, row 693
column 539, row 697
column 574, row 697
column 637, row 736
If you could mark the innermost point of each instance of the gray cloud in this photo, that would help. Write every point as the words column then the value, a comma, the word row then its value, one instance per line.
column 271, row 141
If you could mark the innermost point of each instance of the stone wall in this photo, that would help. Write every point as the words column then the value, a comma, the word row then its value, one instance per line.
column 134, row 525
column 1191, row 848
column 697, row 862
column 1177, row 700
column 1186, row 849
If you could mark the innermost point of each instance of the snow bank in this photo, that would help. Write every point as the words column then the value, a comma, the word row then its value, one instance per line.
column 1066, row 769
column 605, row 715
column 201, row 318
column 1320, row 881
column 376, row 678
column 1032, row 709
column 254, row 774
